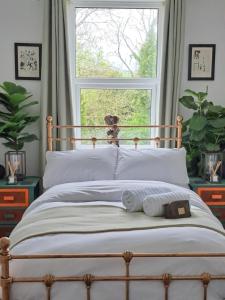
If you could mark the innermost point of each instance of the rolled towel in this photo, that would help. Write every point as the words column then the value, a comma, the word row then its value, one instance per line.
column 133, row 199
column 153, row 204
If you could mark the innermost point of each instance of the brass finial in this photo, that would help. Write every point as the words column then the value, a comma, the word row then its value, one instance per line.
column 4, row 245
column 166, row 279
column 206, row 277
column 88, row 279
column 179, row 119
column 127, row 256
column 49, row 280
column 49, row 119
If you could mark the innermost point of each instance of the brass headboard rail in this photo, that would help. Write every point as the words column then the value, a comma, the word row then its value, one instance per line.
column 136, row 140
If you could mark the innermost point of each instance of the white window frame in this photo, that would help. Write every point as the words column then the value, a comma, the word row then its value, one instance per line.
column 152, row 84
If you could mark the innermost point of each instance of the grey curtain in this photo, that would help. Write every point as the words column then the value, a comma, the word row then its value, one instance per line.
column 56, row 97
column 173, row 45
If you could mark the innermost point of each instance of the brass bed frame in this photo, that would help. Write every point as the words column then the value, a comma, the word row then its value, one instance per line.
column 72, row 139
column 126, row 258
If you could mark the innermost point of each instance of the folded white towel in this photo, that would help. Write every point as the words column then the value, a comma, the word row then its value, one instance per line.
column 133, row 199
column 153, row 204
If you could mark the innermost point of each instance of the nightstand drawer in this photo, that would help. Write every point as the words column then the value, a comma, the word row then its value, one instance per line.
column 11, row 215
column 212, row 195
column 14, row 197
column 219, row 212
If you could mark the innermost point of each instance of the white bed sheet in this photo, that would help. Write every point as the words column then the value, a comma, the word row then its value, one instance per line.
column 155, row 240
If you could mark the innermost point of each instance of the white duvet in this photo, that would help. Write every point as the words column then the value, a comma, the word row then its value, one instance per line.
column 174, row 239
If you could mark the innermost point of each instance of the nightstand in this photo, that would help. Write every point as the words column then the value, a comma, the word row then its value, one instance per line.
column 213, row 194
column 14, row 199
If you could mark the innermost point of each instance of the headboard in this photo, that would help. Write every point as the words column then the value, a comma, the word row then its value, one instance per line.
column 73, row 139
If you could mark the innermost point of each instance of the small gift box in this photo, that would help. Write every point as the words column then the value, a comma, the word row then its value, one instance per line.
column 177, row 209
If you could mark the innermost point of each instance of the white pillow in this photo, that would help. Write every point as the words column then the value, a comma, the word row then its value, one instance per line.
column 80, row 165
column 162, row 164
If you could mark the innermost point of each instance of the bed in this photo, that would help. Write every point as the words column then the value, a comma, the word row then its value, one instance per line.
column 77, row 241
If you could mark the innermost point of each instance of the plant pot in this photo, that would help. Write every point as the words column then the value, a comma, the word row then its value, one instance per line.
column 16, row 158
column 212, row 166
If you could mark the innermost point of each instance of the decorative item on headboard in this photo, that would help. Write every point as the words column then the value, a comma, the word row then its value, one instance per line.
column 113, row 131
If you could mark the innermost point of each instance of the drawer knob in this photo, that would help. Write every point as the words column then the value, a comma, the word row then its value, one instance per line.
column 8, row 198
column 217, row 197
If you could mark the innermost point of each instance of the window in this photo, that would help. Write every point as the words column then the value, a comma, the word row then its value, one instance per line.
column 117, row 63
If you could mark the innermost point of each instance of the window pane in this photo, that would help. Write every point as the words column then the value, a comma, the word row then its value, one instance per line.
column 131, row 106
column 116, row 43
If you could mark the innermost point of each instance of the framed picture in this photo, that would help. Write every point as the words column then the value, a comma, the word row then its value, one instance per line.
column 28, row 61
column 201, row 64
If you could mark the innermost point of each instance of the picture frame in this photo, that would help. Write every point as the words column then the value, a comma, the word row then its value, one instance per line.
column 201, row 62
column 28, row 61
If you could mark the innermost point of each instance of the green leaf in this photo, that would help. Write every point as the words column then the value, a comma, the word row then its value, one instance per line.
column 19, row 116
column 215, row 131
column 4, row 115
column 192, row 93
column 4, row 97
column 197, row 122
column 28, row 104
column 198, row 136
column 31, row 119
column 17, row 98
column 12, row 88
column 189, row 102
column 28, row 138
column 212, row 147
column 13, row 135
column 206, row 104
column 14, row 146
column 218, row 123
column 187, row 122
column 202, row 96
column 4, row 100
column 13, row 126
column 216, row 108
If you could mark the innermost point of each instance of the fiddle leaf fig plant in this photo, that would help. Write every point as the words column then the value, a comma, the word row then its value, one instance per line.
column 14, row 116
column 204, row 131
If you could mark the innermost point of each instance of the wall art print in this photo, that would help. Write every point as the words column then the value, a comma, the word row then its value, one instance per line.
column 201, row 64
column 28, row 61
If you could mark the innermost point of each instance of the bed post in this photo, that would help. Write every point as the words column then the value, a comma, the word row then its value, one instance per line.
column 179, row 131
column 5, row 258
column 49, row 132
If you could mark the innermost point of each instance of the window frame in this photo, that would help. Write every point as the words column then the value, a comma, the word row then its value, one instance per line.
column 152, row 84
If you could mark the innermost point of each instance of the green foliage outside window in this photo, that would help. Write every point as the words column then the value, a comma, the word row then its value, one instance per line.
column 132, row 106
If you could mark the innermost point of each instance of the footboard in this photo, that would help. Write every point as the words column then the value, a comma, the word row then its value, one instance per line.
column 49, row 279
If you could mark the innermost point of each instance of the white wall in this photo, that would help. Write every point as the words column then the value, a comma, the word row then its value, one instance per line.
column 21, row 21
column 205, row 24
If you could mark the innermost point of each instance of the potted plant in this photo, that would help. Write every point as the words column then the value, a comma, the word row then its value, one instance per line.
column 14, row 117
column 204, row 132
